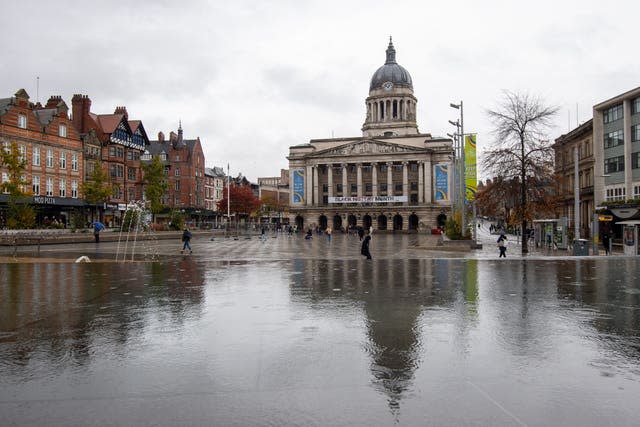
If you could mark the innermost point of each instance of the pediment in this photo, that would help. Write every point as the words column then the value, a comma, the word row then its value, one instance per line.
column 365, row 147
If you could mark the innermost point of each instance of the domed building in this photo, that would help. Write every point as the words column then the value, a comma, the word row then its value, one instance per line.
column 391, row 178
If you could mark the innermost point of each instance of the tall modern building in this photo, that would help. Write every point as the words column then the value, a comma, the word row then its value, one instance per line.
column 391, row 178
column 616, row 137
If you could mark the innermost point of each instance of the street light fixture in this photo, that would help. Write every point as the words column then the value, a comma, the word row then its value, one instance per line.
column 459, row 124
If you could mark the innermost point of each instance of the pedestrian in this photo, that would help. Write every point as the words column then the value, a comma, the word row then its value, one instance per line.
column 186, row 240
column 605, row 242
column 309, row 234
column 328, row 231
column 365, row 246
column 97, row 228
column 361, row 233
column 502, row 246
column 263, row 236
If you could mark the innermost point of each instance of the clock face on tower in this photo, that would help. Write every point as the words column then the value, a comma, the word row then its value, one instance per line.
column 387, row 86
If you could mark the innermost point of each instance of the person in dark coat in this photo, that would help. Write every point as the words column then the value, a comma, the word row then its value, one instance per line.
column 186, row 239
column 365, row 246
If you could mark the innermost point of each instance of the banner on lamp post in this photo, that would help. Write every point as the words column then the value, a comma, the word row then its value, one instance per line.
column 470, row 175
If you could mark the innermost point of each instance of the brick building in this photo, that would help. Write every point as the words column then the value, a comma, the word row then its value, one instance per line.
column 122, row 142
column 52, row 150
column 185, row 170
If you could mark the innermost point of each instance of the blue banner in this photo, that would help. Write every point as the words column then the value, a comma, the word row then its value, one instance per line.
column 297, row 196
column 442, row 182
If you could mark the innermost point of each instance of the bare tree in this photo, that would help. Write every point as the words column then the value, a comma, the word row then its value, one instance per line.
column 521, row 150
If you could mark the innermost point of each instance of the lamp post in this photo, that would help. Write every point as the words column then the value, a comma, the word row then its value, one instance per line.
column 454, row 201
column 461, row 165
column 462, row 170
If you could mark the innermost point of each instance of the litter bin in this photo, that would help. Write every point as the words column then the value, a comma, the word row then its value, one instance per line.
column 580, row 247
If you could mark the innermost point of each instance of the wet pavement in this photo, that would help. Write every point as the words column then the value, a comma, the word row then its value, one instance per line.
column 293, row 332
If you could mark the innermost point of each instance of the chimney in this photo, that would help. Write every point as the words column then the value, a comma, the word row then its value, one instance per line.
column 80, row 107
column 122, row 110
column 53, row 102
column 160, row 137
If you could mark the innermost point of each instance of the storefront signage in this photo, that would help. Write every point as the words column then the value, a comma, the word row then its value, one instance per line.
column 42, row 200
column 368, row 199
column 605, row 218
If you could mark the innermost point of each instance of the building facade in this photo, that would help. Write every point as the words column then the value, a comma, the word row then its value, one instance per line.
column 391, row 178
column 215, row 181
column 52, row 151
column 616, row 136
column 122, row 142
column 185, row 170
column 274, row 192
column 576, row 144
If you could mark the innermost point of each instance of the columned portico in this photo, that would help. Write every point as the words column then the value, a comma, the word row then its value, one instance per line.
column 374, row 179
column 390, row 178
column 390, row 142
column 359, row 179
column 405, row 181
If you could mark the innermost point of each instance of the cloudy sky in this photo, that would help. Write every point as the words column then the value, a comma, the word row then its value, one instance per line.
column 252, row 78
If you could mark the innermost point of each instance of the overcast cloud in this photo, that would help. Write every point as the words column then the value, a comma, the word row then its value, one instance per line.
column 252, row 78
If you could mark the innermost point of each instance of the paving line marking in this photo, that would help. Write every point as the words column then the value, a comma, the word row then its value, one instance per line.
column 492, row 400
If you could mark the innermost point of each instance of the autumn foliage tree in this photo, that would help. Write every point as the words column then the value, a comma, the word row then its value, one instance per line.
column 242, row 202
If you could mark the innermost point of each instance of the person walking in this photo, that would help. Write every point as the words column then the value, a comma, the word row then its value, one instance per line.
column 365, row 246
column 502, row 246
column 186, row 240
column 605, row 243
column 328, row 232
column 97, row 228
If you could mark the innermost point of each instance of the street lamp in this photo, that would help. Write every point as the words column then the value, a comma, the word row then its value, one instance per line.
column 454, row 199
column 459, row 124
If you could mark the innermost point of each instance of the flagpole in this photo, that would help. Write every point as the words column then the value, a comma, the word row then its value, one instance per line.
column 228, row 197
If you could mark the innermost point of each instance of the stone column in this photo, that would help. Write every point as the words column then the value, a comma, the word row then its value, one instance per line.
column 308, row 185
column 428, row 182
column 315, row 186
column 330, row 181
column 421, row 182
column 405, row 181
column 344, row 180
column 374, row 179
column 359, row 178
column 390, row 190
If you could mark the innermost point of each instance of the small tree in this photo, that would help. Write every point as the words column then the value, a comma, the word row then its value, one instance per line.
column 97, row 188
column 521, row 150
column 155, row 185
column 242, row 202
column 19, row 213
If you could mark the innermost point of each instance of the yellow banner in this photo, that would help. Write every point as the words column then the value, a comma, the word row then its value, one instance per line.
column 470, row 175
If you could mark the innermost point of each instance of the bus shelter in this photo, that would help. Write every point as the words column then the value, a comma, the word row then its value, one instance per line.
column 550, row 233
column 630, row 234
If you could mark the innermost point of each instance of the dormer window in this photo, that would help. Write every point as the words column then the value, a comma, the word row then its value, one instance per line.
column 22, row 121
column 62, row 131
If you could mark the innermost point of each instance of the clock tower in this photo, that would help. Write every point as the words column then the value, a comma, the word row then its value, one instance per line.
column 391, row 106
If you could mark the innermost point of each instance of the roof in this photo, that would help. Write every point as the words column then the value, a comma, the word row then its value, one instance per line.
column 157, row 147
column 109, row 122
column 4, row 104
column 45, row 115
column 391, row 71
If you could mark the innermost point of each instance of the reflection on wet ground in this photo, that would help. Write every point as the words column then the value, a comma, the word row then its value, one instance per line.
column 265, row 337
